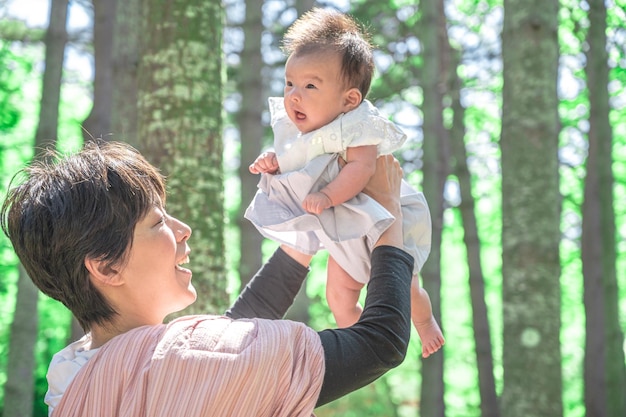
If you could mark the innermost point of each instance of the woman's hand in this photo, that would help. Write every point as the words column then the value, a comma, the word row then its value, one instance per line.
column 384, row 187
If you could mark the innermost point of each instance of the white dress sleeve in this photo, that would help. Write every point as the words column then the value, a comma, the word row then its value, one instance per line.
column 362, row 126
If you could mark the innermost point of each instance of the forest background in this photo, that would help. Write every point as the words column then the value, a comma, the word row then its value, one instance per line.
column 515, row 114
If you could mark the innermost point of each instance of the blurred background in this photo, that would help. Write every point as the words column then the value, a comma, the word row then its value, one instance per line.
column 515, row 114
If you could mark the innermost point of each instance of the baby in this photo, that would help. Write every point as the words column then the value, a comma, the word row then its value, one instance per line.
column 327, row 139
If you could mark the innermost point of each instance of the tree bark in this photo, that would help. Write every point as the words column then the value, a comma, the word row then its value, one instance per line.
column 482, row 333
column 530, row 210
column 436, row 169
column 180, row 128
column 604, row 369
column 98, row 122
column 19, row 388
column 251, row 132
column 125, row 62
column 20, row 384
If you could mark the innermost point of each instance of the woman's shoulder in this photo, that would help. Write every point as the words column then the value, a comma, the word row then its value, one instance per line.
column 221, row 334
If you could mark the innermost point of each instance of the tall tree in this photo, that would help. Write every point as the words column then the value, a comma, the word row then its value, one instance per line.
column 604, row 369
column 19, row 388
column 125, row 61
column 180, row 127
column 480, row 320
column 436, row 169
column 249, row 120
column 299, row 310
column 98, row 122
column 530, row 210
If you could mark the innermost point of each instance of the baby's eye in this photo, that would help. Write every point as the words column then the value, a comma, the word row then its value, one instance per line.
column 311, row 86
column 288, row 83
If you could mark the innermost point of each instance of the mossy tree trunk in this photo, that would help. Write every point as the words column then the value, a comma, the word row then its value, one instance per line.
column 532, row 384
column 180, row 128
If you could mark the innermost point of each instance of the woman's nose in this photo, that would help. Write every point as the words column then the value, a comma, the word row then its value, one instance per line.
column 182, row 230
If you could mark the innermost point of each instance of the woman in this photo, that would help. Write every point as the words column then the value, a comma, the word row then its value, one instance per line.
column 92, row 232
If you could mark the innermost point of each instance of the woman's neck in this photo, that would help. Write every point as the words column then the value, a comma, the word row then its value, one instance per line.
column 100, row 335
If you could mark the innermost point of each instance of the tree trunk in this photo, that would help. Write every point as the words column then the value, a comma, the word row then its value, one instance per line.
column 299, row 310
column 98, row 122
column 125, row 61
column 180, row 128
column 56, row 38
column 436, row 169
column 530, row 210
column 19, row 388
column 251, row 134
column 482, row 333
column 604, row 369
column 303, row 6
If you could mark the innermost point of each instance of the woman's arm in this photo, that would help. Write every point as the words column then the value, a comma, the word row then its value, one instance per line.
column 271, row 291
column 359, row 354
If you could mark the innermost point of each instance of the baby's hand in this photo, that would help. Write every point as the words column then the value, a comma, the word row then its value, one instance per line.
column 316, row 202
column 265, row 163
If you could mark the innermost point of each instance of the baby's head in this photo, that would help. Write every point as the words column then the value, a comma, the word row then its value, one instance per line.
column 330, row 31
column 329, row 56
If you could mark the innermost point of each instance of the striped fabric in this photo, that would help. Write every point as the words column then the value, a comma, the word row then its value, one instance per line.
column 201, row 366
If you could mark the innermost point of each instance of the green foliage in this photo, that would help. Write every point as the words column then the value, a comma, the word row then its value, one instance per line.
column 19, row 94
column 12, row 71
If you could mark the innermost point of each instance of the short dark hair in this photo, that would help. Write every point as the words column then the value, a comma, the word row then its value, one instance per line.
column 76, row 206
column 321, row 30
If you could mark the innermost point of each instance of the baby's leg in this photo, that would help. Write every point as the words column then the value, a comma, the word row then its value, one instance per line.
column 423, row 319
column 342, row 293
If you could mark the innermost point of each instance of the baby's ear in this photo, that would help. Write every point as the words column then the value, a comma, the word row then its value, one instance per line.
column 102, row 273
column 352, row 98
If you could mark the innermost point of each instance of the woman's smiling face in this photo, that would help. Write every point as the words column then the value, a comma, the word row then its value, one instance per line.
column 154, row 282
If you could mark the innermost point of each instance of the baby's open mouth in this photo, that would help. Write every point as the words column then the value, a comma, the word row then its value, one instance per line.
column 300, row 115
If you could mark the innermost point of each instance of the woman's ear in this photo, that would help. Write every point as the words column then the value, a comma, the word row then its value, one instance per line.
column 352, row 99
column 102, row 272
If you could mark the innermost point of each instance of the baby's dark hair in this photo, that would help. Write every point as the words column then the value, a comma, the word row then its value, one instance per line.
column 69, row 208
column 328, row 30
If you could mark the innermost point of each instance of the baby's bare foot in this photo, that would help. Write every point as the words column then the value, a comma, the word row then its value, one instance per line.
column 430, row 335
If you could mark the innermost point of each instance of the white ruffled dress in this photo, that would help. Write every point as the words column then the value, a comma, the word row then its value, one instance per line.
column 308, row 162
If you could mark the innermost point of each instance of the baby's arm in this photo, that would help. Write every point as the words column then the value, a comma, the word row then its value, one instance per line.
column 265, row 163
column 359, row 168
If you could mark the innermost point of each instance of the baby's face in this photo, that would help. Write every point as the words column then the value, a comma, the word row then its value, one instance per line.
column 314, row 92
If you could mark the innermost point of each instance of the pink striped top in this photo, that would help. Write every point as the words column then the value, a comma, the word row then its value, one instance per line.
column 201, row 366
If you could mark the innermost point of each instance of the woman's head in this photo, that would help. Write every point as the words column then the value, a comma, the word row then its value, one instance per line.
column 82, row 206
